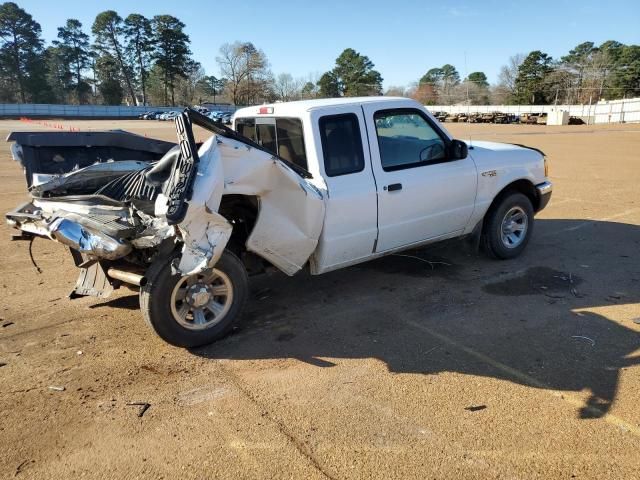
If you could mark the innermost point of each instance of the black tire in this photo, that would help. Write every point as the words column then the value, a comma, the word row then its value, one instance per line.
column 156, row 299
column 492, row 240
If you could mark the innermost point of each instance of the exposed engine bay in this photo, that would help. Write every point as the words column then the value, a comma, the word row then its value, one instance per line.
column 120, row 201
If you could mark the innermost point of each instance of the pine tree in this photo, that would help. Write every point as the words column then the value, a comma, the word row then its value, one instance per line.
column 139, row 37
column 353, row 75
column 74, row 49
column 108, row 30
column 21, row 53
column 172, row 51
column 530, row 82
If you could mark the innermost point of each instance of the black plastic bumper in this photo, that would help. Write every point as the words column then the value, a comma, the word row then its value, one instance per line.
column 544, row 191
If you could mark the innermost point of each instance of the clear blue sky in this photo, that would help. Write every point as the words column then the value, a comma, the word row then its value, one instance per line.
column 404, row 38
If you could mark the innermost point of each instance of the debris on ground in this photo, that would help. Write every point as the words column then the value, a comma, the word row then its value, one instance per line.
column 144, row 406
column 551, row 295
column 263, row 294
column 2, row 364
column 582, row 337
column 21, row 466
column 7, row 324
column 430, row 262
column 431, row 350
column 475, row 408
column 56, row 388
column 576, row 294
column 636, row 320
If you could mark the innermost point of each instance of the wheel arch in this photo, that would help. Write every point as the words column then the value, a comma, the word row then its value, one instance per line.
column 242, row 212
column 524, row 186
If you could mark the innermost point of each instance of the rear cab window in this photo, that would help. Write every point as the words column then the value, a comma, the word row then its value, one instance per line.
column 283, row 136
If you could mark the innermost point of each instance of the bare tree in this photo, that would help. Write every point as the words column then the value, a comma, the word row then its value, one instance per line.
column 423, row 92
column 509, row 73
column 395, row 91
column 232, row 66
column 499, row 95
column 247, row 71
column 288, row 88
column 187, row 88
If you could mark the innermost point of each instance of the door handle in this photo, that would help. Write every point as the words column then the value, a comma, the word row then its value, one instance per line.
column 393, row 187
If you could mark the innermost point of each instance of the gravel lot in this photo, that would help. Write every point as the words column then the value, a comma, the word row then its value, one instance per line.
column 399, row 368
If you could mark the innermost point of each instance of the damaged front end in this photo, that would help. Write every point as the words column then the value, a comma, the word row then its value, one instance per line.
column 121, row 202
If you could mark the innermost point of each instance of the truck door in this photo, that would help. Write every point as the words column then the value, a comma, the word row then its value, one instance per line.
column 350, row 226
column 422, row 194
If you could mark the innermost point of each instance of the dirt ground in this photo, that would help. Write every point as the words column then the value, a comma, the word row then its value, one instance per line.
column 399, row 368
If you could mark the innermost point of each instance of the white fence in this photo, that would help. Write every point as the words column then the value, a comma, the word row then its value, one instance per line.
column 615, row 111
column 34, row 110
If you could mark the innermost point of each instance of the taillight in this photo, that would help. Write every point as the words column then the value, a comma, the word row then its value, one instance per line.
column 265, row 110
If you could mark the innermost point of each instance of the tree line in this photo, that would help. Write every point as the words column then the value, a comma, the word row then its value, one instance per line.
column 588, row 73
column 135, row 60
column 148, row 61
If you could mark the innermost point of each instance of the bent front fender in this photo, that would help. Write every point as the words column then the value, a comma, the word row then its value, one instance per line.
column 289, row 221
column 204, row 231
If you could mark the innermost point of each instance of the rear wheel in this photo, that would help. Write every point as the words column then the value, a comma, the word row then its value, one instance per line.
column 508, row 226
column 189, row 311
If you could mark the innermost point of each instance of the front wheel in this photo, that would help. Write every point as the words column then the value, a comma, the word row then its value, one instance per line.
column 198, row 309
column 508, row 227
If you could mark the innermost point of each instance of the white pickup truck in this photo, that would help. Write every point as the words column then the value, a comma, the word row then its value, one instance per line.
column 324, row 183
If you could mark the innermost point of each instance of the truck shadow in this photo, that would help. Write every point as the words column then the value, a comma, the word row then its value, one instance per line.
column 530, row 321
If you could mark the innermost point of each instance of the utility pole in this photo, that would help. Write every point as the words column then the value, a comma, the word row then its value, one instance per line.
column 602, row 83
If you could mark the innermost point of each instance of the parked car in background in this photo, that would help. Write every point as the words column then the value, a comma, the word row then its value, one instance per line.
column 215, row 115
column 152, row 115
column 168, row 115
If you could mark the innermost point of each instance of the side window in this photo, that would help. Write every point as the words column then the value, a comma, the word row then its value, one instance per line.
column 266, row 136
column 281, row 136
column 291, row 141
column 341, row 144
column 406, row 139
column 247, row 128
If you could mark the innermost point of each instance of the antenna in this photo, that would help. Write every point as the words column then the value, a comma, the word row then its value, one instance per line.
column 466, row 75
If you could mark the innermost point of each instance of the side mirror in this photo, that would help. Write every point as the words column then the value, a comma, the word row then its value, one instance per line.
column 458, row 150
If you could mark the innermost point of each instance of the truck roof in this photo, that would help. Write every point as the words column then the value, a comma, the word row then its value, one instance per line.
column 293, row 108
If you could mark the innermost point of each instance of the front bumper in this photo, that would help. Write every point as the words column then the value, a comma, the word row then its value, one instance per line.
column 544, row 190
column 80, row 232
